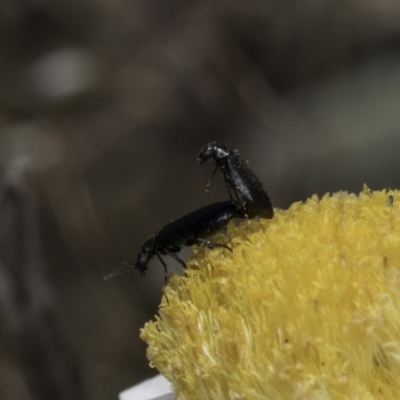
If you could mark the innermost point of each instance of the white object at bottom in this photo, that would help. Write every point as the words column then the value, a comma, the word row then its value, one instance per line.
column 157, row 388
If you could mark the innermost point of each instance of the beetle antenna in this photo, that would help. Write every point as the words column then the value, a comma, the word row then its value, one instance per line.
column 211, row 177
column 122, row 268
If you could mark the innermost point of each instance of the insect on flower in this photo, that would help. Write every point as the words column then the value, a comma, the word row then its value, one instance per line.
column 240, row 179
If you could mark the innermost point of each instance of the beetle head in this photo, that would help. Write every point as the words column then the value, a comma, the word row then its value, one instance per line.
column 145, row 255
column 213, row 150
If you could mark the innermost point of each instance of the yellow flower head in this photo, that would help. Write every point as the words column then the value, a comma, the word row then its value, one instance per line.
column 306, row 306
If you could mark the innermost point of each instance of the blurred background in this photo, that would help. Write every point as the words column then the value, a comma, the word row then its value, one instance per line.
column 104, row 106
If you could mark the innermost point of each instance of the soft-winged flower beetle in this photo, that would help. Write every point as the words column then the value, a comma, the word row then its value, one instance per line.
column 240, row 179
column 190, row 229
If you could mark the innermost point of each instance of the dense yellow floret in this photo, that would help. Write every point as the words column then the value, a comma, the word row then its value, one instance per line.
column 307, row 306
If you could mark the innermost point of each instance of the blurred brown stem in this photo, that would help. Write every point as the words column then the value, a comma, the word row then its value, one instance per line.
column 26, row 299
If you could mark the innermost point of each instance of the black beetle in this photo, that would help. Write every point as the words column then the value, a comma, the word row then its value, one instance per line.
column 248, row 189
column 187, row 230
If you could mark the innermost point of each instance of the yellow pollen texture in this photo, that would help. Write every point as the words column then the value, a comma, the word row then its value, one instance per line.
column 306, row 306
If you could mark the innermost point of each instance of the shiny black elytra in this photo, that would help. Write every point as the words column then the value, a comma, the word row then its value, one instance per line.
column 239, row 178
column 187, row 230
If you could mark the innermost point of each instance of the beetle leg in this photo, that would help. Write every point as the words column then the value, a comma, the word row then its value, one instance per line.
column 231, row 187
column 228, row 186
column 165, row 267
column 212, row 245
column 176, row 258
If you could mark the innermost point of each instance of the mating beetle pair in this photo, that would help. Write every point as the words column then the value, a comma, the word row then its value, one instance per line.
column 248, row 199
